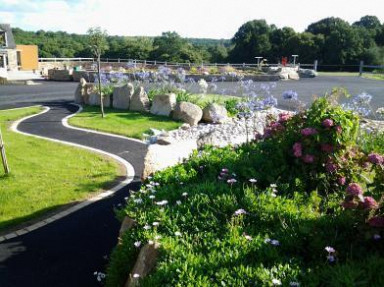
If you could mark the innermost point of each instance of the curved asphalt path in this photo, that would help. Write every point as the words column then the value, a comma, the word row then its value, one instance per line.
column 68, row 251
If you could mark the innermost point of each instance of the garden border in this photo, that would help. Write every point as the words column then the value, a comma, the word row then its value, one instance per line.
column 130, row 173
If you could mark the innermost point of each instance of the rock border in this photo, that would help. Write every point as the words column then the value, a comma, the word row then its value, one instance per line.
column 145, row 261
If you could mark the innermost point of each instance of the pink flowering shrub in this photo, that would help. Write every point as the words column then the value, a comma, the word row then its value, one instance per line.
column 315, row 147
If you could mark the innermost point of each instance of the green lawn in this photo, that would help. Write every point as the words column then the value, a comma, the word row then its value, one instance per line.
column 126, row 123
column 379, row 77
column 45, row 175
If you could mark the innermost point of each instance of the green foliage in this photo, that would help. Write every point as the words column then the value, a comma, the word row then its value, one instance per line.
column 204, row 243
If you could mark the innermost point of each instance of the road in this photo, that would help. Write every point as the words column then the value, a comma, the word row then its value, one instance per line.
column 46, row 91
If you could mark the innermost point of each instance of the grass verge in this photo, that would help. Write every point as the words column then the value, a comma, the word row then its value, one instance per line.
column 379, row 77
column 46, row 176
column 126, row 123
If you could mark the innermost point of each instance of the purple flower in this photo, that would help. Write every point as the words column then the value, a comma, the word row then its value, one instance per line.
column 369, row 203
column 376, row 236
column 326, row 148
column 341, row 180
column 354, row 189
column 308, row 131
column 290, row 95
column 376, row 221
column 308, row 158
column 328, row 123
column 376, row 158
column 330, row 167
column 297, row 149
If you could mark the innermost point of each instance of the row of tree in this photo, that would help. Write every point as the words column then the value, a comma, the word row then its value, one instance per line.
column 331, row 41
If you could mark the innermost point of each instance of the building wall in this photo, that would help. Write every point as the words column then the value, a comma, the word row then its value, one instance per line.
column 29, row 59
column 12, row 60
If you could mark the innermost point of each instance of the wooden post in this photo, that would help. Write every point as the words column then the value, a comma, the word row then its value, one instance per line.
column 361, row 68
column 315, row 65
column 3, row 156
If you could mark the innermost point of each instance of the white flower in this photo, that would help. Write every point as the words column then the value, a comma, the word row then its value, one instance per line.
column 138, row 201
column 380, row 111
column 178, row 202
column 155, row 223
column 252, row 180
column 329, row 249
column 276, row 282
column 136, row 275
column 185, row 194
column 231, row 181
column 267, row 240
column 137, row 244
column 273, row 185
column 147, row 227
column 152, row 196
column 157, row 237
column 240, row 211
column 275, row 242
column 162, row 203
column 150, row 242
column 125, row 198
column 294, row 284
column 177, row 233
column 376, row 236
column 181, row 183
column 248, row 237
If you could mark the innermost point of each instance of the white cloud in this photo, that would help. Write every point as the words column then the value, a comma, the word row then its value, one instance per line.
column 209, row 18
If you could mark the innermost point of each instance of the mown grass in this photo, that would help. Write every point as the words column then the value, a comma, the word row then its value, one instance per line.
column 44, row 175
column 379, row 77
column 126, row 123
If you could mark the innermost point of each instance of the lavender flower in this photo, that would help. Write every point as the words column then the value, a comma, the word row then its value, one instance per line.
column 290, row 95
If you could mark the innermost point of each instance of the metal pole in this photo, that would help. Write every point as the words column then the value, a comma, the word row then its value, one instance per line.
column 3, row 156
column 315, row 65
column 361, row 68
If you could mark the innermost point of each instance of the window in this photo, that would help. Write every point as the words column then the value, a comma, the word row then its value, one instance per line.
column 3, row 39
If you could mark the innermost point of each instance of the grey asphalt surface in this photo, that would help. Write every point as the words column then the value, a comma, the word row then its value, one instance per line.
column 47, row 91
column 67, row 252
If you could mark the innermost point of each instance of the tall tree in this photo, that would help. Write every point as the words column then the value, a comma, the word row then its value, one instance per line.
column 252, row 39
column 98, row 45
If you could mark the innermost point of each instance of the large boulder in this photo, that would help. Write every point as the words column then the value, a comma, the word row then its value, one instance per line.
column 94, row 100
column 188, row 113
column 80, row 91
column 163, row 104
column 307, row 73
column 122, row 96
column 214, row 113
column 139, row 101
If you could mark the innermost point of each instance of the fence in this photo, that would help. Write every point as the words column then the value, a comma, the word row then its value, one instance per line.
column 370, row 69
column 361, row 68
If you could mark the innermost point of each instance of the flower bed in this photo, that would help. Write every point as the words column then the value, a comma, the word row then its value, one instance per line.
column 303, row 206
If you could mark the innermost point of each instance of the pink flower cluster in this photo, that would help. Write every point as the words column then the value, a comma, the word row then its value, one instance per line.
column 376, row 158
column 297, row 149
column 284, row 117
column 309, row 131
column 328, row 123
column 356, row 199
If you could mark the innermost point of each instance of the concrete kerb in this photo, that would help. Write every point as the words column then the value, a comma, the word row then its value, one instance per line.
column 129, row 177
column 67, row 125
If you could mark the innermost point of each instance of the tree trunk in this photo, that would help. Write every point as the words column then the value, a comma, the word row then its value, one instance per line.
column 99, row 86
column 3, row 156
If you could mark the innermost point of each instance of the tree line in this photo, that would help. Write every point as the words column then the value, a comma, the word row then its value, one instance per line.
column 330, row 41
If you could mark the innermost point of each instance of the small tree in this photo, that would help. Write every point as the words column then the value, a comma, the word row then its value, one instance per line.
column 98, row 44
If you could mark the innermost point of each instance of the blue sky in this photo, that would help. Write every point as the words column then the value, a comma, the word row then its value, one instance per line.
column 198, row 18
